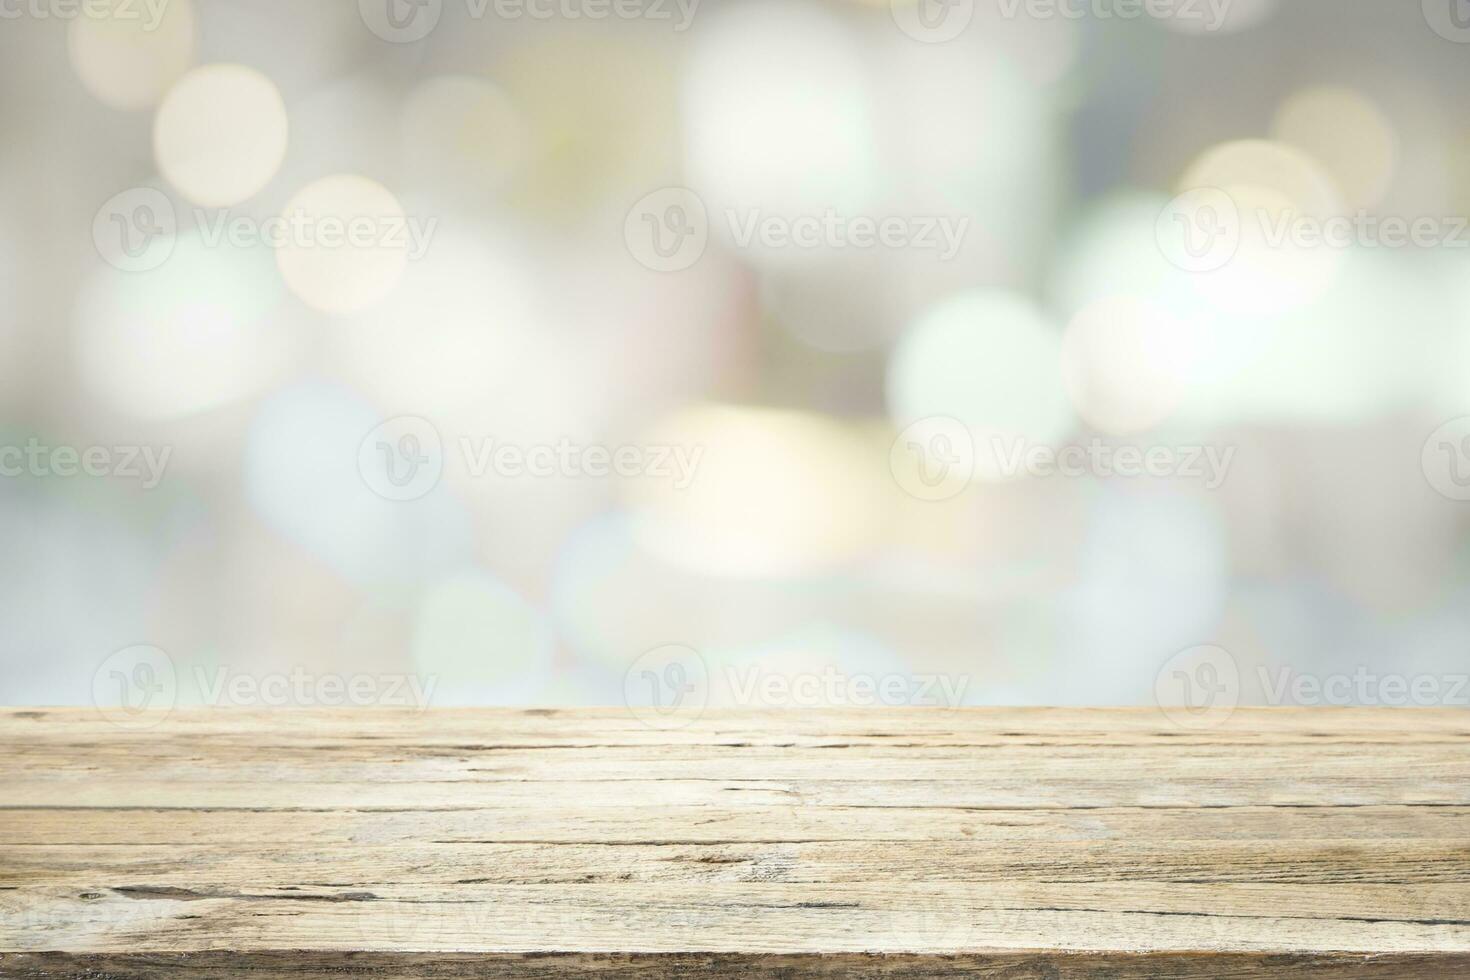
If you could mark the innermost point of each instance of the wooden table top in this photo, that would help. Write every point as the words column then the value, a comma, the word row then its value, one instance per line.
column 1045, row 843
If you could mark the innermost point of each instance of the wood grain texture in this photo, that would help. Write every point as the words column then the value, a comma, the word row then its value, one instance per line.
column 1013, row 844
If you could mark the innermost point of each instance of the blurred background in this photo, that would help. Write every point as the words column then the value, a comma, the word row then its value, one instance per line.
column 706, row 347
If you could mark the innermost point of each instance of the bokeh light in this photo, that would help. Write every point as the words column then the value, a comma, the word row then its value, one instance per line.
column 796, row 135
column 220, row 134
column 1276, row 190
column 355, row 242
column 201, row 331
column 130, row 62
column 1126, row 364
column 847, row 453
column 990, row 360
column 463, row 135
column 302, row 477
column 1345, row 132
column 773, row 493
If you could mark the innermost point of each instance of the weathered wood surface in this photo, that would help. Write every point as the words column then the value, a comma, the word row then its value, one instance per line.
column 940, row 843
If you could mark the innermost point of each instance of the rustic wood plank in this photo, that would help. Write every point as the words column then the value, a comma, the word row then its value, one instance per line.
column 712, row 825
column 598, row 726
column 276, row 865
column 308, row 965
column 1010, row 843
